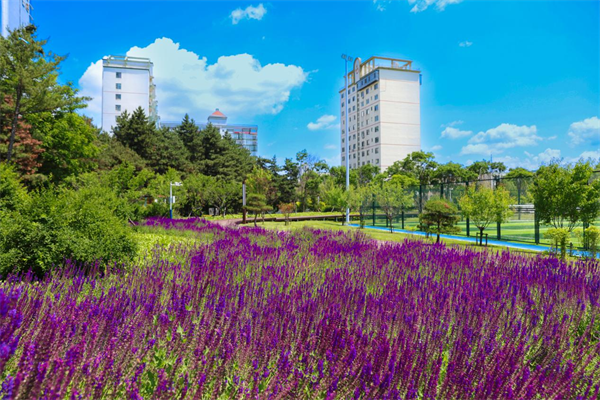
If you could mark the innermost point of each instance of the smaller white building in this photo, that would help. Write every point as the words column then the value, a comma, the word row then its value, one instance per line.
column 14, row 14
column 127, row 84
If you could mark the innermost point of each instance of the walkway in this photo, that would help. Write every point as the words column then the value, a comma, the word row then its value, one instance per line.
column 500, row 243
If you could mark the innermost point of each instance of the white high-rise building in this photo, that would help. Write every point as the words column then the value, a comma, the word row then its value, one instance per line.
column 383, row 112
column 127, row 84
column 15, row 14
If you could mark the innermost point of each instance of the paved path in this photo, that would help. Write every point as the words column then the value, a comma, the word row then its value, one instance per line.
column 500, row 243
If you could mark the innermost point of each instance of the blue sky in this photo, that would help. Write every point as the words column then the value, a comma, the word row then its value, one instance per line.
column 519, row 80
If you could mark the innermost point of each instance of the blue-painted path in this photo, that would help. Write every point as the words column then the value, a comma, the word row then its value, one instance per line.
column 510, row 245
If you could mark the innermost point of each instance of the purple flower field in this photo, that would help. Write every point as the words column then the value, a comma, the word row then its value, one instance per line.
column 307, row 314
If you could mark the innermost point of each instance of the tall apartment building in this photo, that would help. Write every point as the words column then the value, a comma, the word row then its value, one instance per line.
column 383, row 112
column 14, row 14
column 127, row 84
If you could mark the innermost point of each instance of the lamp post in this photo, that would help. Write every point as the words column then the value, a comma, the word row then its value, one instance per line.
column 171, row 184
column 347, row 59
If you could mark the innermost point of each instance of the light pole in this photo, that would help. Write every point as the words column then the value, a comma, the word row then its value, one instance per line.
column 346, row 98
column 171, row 184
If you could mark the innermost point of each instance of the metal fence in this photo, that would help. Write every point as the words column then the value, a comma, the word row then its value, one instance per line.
column 522, row 225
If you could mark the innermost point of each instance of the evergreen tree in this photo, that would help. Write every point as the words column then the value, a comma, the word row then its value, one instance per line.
column 28, row 82
column 165, row 150
column 188, row 131
column 135, row 131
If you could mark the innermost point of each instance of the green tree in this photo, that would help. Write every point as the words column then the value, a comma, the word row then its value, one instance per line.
column 113, row 153
column 565, row 195
column 484, row 205
column 439, row 216
column 29, row 80
column 135, row 131
column 392, row 198
column 480, row 169
column 165, row 150
column 12, row 191
column 360, row 200
column 335, row 197
column 418, row 164
column 257, row 204
column 189, row 132
column 521, row 178
column 197, row 195
column 68, row 141
column 225, row 195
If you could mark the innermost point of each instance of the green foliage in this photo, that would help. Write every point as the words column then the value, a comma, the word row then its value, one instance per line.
column 564, row 196
column 135, row 131
column 360, row 200
column 257, row 203
column 439, row 216
column 196, row 195
column 68, row 141
column 166, row 150
column 418, row 164
column 484, row 205
column 113, row 153
column 12, row 191
column 452, row 172
column 558, row 238
column 29, row 80
column 334, row 197
column 392, row 198
column 590, row 238
column 286, row 209
column 81, row 225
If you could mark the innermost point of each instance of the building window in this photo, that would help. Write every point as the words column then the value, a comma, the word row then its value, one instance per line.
column 117, row 107
column 376, row 86
column 376, row 118
column 118, row 86
column 367, row 101
column 118, row 75
column 367, row 91
column 377, row 161
column 343, row 150
column 367, row 152
column 376, row 140
column 376, row 97
column 353, row 89
column 117, row 97
column 376, row 151
column 376, row 129
column 377, row 107
column 343, row 158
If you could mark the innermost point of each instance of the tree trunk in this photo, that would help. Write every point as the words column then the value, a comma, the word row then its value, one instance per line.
column 481, row 236
column 438, row 233
column 13, row 130
column 255, row 216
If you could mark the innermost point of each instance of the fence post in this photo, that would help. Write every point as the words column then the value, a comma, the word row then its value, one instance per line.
column 498, row 230
column 402, row 218
column 441, row 190
column 468, row 228
column 373, row 209
column 536, row 227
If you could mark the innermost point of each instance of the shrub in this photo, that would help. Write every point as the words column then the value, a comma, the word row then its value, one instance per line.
column 81, row 225
column 558, row 238
column 12, row 192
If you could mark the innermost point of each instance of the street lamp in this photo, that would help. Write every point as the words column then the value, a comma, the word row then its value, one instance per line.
column 347, row 59
column 171, row 184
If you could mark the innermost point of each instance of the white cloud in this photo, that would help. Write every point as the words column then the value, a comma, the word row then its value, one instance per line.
column 324, row 122
column 185, row 83
column 330, row 147
column 466, row 43
column 250, row 12
column 91, row 85
column 422, row 5
column 504, row 136
column 381, row 5
column 436, row 147
column 453, row 123
column 454, row 133
column 586, row 131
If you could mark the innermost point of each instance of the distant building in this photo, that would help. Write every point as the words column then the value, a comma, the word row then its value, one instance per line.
column 383, row 112
column 243, row 134
column 14, row 14
column 127, row 84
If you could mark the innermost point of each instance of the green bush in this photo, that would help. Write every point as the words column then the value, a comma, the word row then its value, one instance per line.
column 54, row 225
column 12, row 192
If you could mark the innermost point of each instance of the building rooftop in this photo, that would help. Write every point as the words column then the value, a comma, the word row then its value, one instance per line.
column 218, row 113
column 373, row 63
column 127, row 62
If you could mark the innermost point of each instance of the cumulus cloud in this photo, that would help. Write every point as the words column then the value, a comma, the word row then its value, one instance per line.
column 324, row 122
column 422, row 5
column 586, row 131
column 187, row 83
column 436, row 147
column 500, row 138
column 250, row 12
column 466, row 43
column 454, row 133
